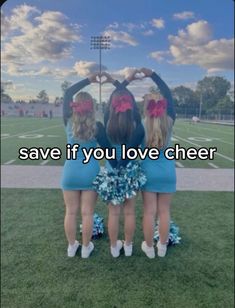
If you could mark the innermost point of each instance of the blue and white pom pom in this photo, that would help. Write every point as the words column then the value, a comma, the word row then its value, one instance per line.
column 174, row 237
column 98, row 226
column 119, row 184
column 133, row 178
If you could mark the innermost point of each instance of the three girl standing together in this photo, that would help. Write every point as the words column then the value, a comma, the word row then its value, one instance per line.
column 122, row 125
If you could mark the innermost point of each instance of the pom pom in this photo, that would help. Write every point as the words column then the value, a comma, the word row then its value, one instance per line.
column 174, row 237
column 98, row 226
column 119, row 184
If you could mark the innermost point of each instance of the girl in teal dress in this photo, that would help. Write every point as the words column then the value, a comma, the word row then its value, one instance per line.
column 77, row 177
column 123, row 125
column 161, row 176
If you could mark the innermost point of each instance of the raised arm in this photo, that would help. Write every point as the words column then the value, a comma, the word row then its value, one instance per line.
column 71, row 91
column 68, row 97
column 122, row 86
column 164, row 89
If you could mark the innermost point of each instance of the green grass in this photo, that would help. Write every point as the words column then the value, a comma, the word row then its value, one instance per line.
column 37, row 273
column 50, row 133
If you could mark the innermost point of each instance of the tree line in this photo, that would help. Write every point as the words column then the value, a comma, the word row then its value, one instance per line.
column 212, row 95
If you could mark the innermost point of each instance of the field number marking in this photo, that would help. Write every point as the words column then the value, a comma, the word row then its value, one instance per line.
column 203, row 139
column 198, row 145
column 32, row 131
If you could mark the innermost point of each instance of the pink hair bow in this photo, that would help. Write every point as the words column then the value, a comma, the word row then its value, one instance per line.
column 156, row 108
column 122, row 103
column 82, row 107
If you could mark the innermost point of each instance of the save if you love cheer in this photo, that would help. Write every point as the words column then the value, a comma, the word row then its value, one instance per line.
column 176, row 152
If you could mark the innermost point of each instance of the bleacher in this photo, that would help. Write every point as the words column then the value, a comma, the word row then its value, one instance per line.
column 36, row 109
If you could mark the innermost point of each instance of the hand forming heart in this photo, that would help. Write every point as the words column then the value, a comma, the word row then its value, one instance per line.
column 138, row 75
column 102, row 78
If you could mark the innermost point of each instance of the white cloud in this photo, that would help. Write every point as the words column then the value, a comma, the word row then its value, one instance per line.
column 46, row 37
column 194, row 46
column 85, row 68
column 148, row 32
column 80, row 68
column 120, row 36
column 184, row 15
column 158, row 23
column 5, row 26
column 123, row 73
column 114, row 25
column 20, row 19
column 131, row 26
column 158, row 55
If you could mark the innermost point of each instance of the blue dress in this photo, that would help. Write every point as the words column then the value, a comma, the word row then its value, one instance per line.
column 76, row 175
column 160, row 174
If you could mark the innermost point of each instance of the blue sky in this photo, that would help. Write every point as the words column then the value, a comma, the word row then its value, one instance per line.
column 47, row 42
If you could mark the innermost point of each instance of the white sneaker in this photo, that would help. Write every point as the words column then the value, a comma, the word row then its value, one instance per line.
column 128, row 249
column 115, row 251
column 86, row 250
column 72, row 249
column 161, row 249
column 149, row 251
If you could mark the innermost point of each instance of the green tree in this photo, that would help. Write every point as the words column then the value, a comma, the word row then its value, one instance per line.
column 225, row 105
column 65, row 85
column 5, row 98
column 185, row 97
column 211, row 90
column 42, row 97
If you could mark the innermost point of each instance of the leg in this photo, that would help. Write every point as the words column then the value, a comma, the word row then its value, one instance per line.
column 150, row 207
column 113, row 223
column 129, row 217
column 163, row 209
column 72, row 200
column 88, row 201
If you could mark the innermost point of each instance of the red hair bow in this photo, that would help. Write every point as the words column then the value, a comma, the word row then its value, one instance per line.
column 156, row 108
column 122, row 103
column 82, row 107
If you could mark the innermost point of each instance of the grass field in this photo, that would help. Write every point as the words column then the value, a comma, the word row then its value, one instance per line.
column 37, row 132
column 37, row 273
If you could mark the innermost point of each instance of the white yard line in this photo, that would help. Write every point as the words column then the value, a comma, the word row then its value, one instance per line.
column 203, row 136
column 199, row 145
column 213, row 130
column 9, row 162
column 32, row 131
column 178, row 164
column 44, row 162
column 213, row 165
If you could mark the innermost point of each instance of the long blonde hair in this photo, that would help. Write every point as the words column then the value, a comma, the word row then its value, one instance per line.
column 157, row 129
column 83, row 125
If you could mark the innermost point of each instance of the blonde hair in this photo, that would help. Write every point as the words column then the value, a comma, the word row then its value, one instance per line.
column 83, row 125
column 157, row 129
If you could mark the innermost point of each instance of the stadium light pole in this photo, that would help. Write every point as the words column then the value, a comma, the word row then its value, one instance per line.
column 200, row 106
column 100, row 42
